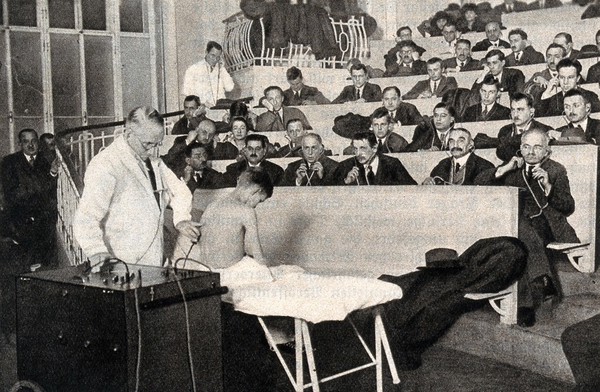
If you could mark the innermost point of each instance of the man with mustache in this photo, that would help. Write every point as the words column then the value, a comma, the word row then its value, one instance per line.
column 462, row 60
column 463, row 166
column 402, row 61
column 577, row 109
column 522, row 52
column 368, row 167
column 314, row 169
column 432, row 133
column 546, row 204
column 568, row 78
column 196, row 173
column 254, row 156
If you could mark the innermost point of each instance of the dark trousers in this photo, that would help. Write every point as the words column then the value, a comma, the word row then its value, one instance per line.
column 581, row 344
column 434, row 299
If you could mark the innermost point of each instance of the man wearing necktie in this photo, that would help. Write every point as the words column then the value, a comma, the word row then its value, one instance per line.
column 436, row 85
column 492, row 40
column 522, row 52
column 368, row 167
column 299, row 93
column 361, row 90
column 546, row 204
column 463, row 166
column 462, row 60
column 509, row 136
column 277, row 115
column 539, row 81
column 510, row 79
column 196, row 173
column 488, row 109
column 121, row 211
column 577, row 109
column 387, row 140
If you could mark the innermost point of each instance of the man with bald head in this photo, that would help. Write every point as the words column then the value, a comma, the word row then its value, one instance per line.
column 127, row 190
column 546, row 204
column 493, row 41
column 463, row 166
column 314, row 169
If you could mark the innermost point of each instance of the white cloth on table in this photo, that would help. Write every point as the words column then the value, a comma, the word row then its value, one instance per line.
column 291, row 292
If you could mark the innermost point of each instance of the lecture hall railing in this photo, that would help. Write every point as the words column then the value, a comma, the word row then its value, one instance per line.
column 238, row 53
column 76, row 147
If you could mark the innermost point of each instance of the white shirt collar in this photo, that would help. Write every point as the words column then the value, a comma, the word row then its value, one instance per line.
column 462, row 161
column 582, row 123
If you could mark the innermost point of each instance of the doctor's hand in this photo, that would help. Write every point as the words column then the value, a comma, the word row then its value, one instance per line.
column 97, row 260
column 189, row 229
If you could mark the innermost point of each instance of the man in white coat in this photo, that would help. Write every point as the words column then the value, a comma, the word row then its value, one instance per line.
column 121, row 211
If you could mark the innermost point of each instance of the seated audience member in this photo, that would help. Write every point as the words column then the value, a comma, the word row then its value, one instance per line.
column 237, row 137
column 511, row 80
column 402, row 62
column 401, row 113
column 294, row 131
column 577, row 109
column 450, row 33
column 546, row 204
column 368, row 167
column 511, row 6
column 196, row 173
column 299, row 94
column 522, row 52
column 431, row 134
column 488, row 109
column 434, row 299
column 436, row 85
column 193, row 113
column 361, row 90
column 277, row 115
column 493, row 41
column 470, row 21
column 382, row 126
column 254, row 156
column 237, row 109
column 566, row 41
column 521, row 114
column 404, row 33
column 433, row 27
column 539, row 81
column 205, row 133
column 568, row 78
column 462, row 166
column 462, row 61
column 541, row 4
column 593, row 74
column 314, row 169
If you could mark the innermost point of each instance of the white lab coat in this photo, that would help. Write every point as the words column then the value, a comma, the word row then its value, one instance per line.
column 118, row 212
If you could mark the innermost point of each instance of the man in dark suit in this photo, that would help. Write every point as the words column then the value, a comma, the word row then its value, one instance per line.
column 401, row 113
column 509, row 136
column 277, row 115
column 299, row 94
column 463, row 166
column 431, row 134
column 522, row 52
column 29, row 186
column 368, row 167
column 577, row 109
column 196, row 174
column 593, row 75
column 400, row 61
column 539, row 81
column 387, row 140
column 510, row 6
column 361, row 90
column 566, row 41
column 254, row 156
column 546, row 204
column 463, row 60
column 493, row 33
column 488, row 109
column 193, row 113
column 511, row 80
column 568, row 78
column 541, row 4
column 294, row 130
column 437, row 84
column 314, row 169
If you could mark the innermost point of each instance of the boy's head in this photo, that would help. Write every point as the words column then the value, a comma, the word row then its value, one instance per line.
column 255, row 186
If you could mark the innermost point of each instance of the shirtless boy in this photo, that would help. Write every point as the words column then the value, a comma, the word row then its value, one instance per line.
column 229, row 225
